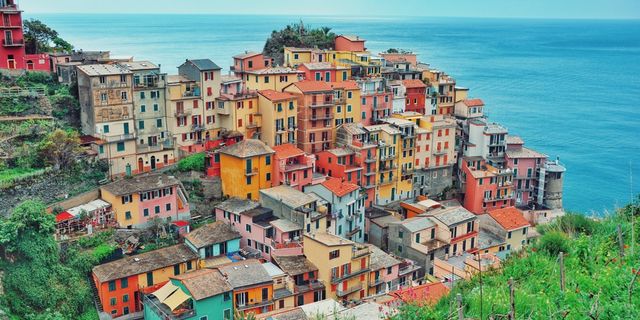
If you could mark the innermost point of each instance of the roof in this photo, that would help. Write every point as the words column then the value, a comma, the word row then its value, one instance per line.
column 273, row 95
column 204, row 64
column 141, row 183
column 283, row 314
column 204, row 283
column 510, row 139
column 318, row 65
column 399, row 121
column 313, row 86
column 226, row 78
column 94, row 70
column 285, row 225
column 64, row 216
column 247, row 148
column 473, row 102
column 245, row 273
column 212, row 233
column 383, row 127
column 452, row 216
column 524, row 153
column 180, row 223
column 289, row 196
column 347, row 85
column 321, row 308
column 384, row 221
column 256, row 212
column 353, row 128
column 273, row 270
column 274, row 70
column 175, row 78
column 294, row 265
column 342, row 151
column 139, row 65
column 487, row 239
column 237, row 206
column 426, row 294
column 338, row 187
column 417, row 223
column 509, row 218
column 89, row 207
column 351, row 37
column 329, row 239
column 287, row 150
column 246, row 54
column 381, row 259
column 413, row 83
column 144, row 262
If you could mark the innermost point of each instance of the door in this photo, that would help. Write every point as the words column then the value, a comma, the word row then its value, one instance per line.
column 165, row 159
column 153, row 162
column 126, row 128
column 140, row 165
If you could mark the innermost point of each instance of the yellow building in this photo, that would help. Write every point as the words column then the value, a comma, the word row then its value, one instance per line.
column 343, row 265
column 406, row 155
column 184, row 116
column 346, row 95
column 245, row 168
column 389, row 142
column 239, row 112
column 207, row 76
column 279, row 112
column 370, row 67
column 293, row 57
column 274, row 78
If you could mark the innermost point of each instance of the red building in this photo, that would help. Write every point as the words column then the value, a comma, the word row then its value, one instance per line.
column 12, row 52
column 486, row 187
column 349, row 43
column 293, row 167
column 354, row 137
column 324, row 71
column 340, row 163
column 416, row 95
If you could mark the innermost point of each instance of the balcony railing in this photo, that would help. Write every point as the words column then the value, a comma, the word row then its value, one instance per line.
column 335, row 280
column 163, row 312
column 321, row 116
column 13, row 43
column 111, row 84
column 255, row 304
column 349, row 290
column 388, row 181
column 359, row 252
column 117, row 138
column 309, row 286
column 384, row 157
column 182, row 113
column 369, row 159
column 375, row 282
column 251, row 171
column 197, row 127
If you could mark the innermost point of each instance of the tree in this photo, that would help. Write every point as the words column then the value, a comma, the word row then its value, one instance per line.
column 39, row 37
column 297, row 35
column 60, row 148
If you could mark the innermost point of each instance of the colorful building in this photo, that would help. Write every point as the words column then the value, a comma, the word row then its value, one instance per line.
column 299, row 207
column 509, row 225
column 294, row 57
column 12, row 53
column 416, row 92
column 324, row 71
column 469, row 109
column 239, row 112
column 345, row 205
column 279, row 111
column 354, row 137
column 106, row 104
column 201, row 294
column 377, row 100
column 346, row 95
column 486, row 140
column 406, row 155
column 272, row 78
column 252, row 286
column 388, row 140
column 249, row 61
column 343, row 265
column 486, row 187
column 184, row 118
column 349, row 43
column 293, row 167
column 383, row 276
column 139, row 200
column 214, row 243
column 315, row 114
column 250, row 159
column 119, row 282
column 302, row 279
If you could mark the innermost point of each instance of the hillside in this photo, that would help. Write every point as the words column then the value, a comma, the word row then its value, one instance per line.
column 598, row 276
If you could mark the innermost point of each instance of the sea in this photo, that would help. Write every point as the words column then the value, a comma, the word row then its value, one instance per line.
column 569, row 88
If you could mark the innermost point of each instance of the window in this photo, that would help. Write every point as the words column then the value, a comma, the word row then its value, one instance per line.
column 113, row 301
column 204, row 318
column 143, row 108
column 268, row 176
column 146, row 212
column 125, row 298
column 140, row 124
column 127, row 215
column 265, row 294
column 295, row 56
column 149, row 278
column 290, row 105
column 159, row 123
column 141, row 94
column 168, row 206
column 105, row 128
column 509, row 235
column 338, row 109
column 120, row 146
column 400, row 234
column 524, row 231
column 248, row 228
column 348, row 108
column 248, row 180
column 399, row 248
column 123, row 95
column 227, row 314
column 349, row 94
column 417, row 238
column 155, row 107
column 268, row 160
column 101, row 149
column 334, row 254
column 266, row 79
column 176, row 270
column 112, row 285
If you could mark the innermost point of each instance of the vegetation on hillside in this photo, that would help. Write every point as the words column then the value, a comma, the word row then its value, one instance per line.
column 38, row 38
column 40, row 280
column 194, row 162
column 600, row 279
column 297, row 35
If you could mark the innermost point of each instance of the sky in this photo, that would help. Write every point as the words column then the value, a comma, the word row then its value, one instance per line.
column 571, row 9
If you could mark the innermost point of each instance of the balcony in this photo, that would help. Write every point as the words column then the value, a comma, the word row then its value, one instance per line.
column 111, row 84
column 286, row 249
column 407, row 268
column 312, row 285
column 384, row 157
column 369, row 185
column 407, row 171
column 359, row 251
column 375, row 282
column 13, row 43
column 251, row 172
column 197, row 127
column 321, row 104
column 117, row 138
column 369, row 159
column 388, row 181
column 439, row 152
column 352, row 233
column 163, row 312
column 251, row 305
column 295, row 166
column 349, row 290
column 326, row 116
column 339, row 100
column 182, row 113
column 145, row 148
column 252, row 125
column 370, row 173
column 386, row 168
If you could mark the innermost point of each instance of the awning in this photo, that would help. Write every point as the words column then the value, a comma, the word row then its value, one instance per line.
column 165, row 291
column 176, row 299
column 64, row 216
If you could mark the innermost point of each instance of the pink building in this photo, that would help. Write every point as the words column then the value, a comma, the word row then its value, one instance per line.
column 262, row 233
column 292, row 166
column 249, row 61
column 525, row 164
column 324, row 71
column 377, row 100
column 230, row 85
column 12, row 50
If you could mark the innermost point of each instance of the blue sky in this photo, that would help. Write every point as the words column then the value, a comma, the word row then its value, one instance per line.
column 580, row 9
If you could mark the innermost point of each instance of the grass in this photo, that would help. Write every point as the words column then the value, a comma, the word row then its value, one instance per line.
column 9, row 175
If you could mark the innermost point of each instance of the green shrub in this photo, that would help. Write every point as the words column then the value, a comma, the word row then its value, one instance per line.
column 554, row 242
column 194, row 162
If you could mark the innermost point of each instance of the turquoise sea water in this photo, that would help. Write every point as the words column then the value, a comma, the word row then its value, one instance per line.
column 570, row 88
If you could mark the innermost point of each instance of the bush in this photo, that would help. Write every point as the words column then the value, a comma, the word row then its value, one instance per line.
column 194, row 162
column 554, row 242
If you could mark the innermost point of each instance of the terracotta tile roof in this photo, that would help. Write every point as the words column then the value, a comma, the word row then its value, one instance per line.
column 247, row 148
column 287, row 150
column 245, row 273
column 204, row 283
column 212, row 233
column 347, row 85
column 339, row 187
column 294, row 265
column 509, row 218
column 414, row 83
column 245, row 55
column 313, row 86
column 473, row 102
column 275, row 95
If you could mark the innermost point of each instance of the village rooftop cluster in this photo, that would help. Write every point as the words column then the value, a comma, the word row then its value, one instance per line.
column 353, row 182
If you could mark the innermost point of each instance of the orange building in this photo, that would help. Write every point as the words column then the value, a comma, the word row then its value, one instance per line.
column 303, row 276
column 349, row 43
column 324, row 71
column 252, row 286
column 487, row 187
column 119, row 282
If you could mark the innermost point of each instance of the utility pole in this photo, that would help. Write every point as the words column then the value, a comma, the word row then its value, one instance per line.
column 620, row 242
column 512, row 301
column 562, row 283
column 460, row 313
